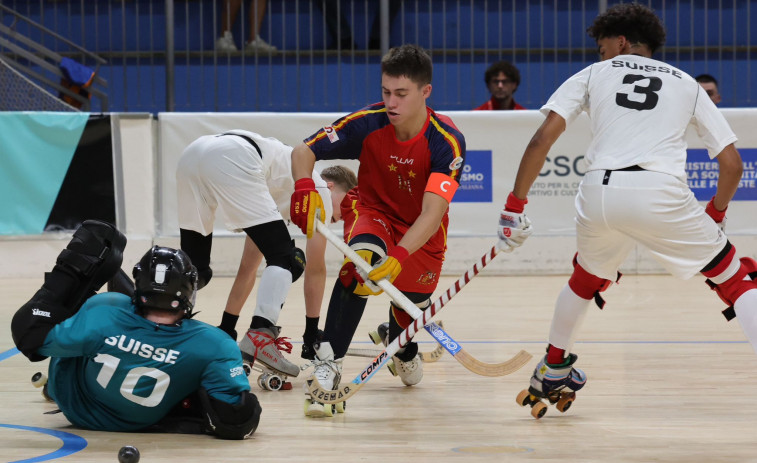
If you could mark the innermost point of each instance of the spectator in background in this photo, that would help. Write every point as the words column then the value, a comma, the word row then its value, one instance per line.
column 710, row 85
column 339, row 28
column 229, row 11
column 502, row 80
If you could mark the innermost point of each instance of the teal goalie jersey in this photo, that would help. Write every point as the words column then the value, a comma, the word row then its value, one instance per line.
column 113, row 370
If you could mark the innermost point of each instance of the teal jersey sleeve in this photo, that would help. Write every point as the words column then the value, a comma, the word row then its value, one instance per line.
column 224, row 378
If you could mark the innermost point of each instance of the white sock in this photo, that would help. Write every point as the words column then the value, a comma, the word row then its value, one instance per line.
column 746, row 313
column 570, row 310
column 272, row 292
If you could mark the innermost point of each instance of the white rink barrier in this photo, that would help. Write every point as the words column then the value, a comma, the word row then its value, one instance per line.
column 146, row 152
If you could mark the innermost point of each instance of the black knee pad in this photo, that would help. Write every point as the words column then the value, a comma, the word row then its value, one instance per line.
column 297, row 262
column 274, row 242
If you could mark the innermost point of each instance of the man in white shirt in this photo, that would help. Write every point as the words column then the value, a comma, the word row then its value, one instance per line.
column 247, row 179
column 635, row 188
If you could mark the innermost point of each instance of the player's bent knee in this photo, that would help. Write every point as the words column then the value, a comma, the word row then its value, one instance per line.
column 586, row 285
column 350, row 277
column 297, row 262
column 743, row 280
column 231, row 421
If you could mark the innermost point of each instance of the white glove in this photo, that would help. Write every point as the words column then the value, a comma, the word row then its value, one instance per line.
column 513, row 230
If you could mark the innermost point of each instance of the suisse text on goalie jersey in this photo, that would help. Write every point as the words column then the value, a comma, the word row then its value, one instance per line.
column 160, row 354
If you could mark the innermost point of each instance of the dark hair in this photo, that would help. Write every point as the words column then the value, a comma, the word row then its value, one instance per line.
column 706, row 79
column 342, row 176
column 410, row 61
column 508, row 69
column 635, row 22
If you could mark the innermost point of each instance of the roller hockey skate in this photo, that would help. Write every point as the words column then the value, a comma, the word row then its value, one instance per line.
column 328, row 373
column 409, row 371
column 556, row 383
column 39, row 379
column 261, row 351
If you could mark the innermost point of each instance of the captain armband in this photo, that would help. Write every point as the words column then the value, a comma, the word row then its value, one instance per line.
column 442, row 185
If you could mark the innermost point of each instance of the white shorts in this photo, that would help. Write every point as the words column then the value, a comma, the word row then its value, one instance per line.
column 224, row 173
column 656, row 210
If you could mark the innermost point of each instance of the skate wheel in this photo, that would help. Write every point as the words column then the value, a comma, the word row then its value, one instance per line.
column 392, row 367
column 261, row 382
column 286, row 386
column 340, row 407
column 565, row 402
column 522, row 398
column 374, row 335
column 307, row 405
column 329, row 409
column 273, row 382
column 247, row 369
column 39, row 379
column 538, row 410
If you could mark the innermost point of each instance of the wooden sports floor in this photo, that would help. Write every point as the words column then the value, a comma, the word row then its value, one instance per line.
column 669, row 381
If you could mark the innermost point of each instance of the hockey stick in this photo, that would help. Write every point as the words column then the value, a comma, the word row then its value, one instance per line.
column 427, row 357
column 421, row 319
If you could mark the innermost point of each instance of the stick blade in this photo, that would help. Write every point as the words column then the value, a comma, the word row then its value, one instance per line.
column 493, row 369
column 328, row 396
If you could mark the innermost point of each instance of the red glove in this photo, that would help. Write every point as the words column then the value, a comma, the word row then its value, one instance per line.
column 717, row 216
column 305, row 202
column 713, row 212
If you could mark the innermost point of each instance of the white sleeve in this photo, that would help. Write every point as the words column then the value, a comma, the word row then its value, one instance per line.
column 710, row 124
column 571, row 98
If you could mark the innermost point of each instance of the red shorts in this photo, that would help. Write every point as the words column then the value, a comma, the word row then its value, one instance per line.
column 420, row 272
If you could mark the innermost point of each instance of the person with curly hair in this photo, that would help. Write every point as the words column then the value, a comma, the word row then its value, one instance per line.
column 635, row 188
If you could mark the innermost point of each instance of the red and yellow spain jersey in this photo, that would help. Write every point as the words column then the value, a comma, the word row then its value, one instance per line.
column 393, row 175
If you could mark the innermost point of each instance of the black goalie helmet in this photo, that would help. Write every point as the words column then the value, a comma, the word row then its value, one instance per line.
column 165, row 279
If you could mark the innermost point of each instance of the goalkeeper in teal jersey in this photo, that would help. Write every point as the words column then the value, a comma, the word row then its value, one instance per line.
column 127, row 363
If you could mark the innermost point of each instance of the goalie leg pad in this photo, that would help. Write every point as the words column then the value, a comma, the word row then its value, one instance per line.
column 227, row 421
column 121, row 283
column 92, row 257
column 34, row 320
column 588, row 286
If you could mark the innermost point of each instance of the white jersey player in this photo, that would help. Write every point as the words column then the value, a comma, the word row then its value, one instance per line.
column 635, row 188
column 247, row 179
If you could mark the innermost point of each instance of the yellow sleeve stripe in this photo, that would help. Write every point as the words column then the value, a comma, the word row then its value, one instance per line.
column 343, row 122
column 452, row 142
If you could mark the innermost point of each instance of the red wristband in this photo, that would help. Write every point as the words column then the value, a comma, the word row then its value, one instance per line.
column 399, row 253
column 304, row 183
column 515, row 204
column 713, row 212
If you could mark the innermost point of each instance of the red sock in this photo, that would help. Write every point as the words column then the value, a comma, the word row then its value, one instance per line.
column 555, row 356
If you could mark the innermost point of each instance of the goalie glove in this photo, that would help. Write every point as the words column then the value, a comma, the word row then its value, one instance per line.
column 514, row 226
column 305, row 202
column 717, row 216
